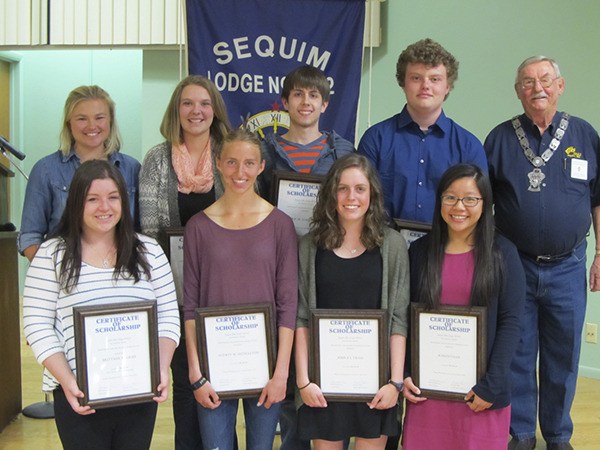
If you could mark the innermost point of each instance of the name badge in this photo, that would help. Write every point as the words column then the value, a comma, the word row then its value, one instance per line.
column 579, row 169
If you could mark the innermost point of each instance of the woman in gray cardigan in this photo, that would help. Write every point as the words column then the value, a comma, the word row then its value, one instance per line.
column 351, row 260
column 178, row 179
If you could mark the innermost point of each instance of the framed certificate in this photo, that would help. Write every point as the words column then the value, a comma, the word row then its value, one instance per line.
column 448, row 348
column 116, row 348
column 350, row 353
column 411, row 230
column 236, row 348
column 174, row 252
column 296, row 195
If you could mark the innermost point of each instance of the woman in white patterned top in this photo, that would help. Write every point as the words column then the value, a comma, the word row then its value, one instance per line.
column 96, row 258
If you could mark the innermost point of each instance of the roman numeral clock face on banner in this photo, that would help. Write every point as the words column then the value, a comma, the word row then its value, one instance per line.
column 247, row 47
column 274, row 121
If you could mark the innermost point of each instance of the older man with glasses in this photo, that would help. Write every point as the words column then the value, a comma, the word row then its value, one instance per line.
column 544, row 170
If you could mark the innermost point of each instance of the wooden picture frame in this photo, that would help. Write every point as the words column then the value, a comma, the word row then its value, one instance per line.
column 174, row 253
column 349, row 353
column 117, row 356
column 454, row 353
column 296, row 195
column 236, row 348
column 411, row 230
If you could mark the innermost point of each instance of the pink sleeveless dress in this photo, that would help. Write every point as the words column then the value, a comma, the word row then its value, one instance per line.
column 440, row 424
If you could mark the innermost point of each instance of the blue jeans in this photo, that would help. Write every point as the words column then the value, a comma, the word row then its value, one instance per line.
column 552, row 323
column 217, row 426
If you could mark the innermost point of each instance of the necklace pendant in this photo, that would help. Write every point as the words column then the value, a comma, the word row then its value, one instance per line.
column 353, row 251
column 538, row 161
column 536, row 176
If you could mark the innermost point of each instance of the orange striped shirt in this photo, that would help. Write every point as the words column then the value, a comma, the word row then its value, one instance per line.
column 303, row 157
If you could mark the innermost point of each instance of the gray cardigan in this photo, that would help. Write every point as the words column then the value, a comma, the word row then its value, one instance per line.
column 159, row 207
column 395, row 284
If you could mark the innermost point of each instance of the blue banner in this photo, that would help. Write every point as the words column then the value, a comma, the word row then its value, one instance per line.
column 247, row 46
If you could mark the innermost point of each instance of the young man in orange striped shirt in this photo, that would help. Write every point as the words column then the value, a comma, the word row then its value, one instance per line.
column 304, row 148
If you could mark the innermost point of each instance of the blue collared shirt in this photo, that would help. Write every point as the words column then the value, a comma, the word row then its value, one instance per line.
column 411, row 162
column 557, row 218
column 48, row 188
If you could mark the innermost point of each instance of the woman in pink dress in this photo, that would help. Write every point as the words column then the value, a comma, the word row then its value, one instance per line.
column 463, row 262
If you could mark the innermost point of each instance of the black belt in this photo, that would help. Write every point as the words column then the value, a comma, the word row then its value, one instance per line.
column 548, row 259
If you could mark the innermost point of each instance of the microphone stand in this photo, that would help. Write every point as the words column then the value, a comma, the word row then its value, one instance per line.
column 13, row 162
column 45, row 409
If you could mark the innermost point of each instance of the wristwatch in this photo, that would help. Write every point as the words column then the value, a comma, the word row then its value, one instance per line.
column 198, row 384
column 398, row 385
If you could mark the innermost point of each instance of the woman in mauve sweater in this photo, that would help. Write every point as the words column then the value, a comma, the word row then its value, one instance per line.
column 240, row 250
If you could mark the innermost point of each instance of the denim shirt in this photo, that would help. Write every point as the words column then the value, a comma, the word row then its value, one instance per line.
column 48, row 189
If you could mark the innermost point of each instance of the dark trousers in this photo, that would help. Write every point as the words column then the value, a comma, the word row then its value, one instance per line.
column 120, row 427
column 288, row 424
column 392, row 442
column 185, row 411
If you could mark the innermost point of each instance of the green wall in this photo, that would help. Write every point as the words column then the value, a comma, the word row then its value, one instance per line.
column 489, row 38
column 161, row 75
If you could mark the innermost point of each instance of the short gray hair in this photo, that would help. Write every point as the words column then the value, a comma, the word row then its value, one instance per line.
column 536, row 59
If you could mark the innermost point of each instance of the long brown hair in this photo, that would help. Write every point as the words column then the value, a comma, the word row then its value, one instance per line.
column 131, row 259
column 325, row 227
column 170, row 127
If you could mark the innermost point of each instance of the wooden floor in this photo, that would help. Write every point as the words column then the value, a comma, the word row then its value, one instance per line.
column 25, row 433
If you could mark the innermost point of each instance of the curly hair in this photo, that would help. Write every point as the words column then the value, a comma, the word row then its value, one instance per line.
column 429, row 53
column 325, row 228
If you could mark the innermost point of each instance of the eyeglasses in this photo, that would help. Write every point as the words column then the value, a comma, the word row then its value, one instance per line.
column 452, row 200
column 529, row 83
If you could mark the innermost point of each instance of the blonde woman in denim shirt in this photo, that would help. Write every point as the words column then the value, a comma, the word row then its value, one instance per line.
column 89, row 131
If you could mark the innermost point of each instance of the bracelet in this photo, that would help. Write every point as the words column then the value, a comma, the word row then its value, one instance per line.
column 398, row 385
column 198, row 384
column 597, row 252
column 305, row 386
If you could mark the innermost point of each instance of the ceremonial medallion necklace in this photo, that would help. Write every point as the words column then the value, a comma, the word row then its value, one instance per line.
column 536, row 176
